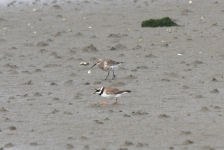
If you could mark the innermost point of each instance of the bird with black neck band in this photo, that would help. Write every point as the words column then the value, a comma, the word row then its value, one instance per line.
column 109, row 93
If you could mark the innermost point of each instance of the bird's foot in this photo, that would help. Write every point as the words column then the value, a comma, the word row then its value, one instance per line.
column 104, row 102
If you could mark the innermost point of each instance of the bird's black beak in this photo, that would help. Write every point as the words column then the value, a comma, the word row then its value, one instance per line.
column 93, row 65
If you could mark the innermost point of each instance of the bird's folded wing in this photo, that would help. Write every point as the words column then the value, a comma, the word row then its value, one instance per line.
column 116, row 92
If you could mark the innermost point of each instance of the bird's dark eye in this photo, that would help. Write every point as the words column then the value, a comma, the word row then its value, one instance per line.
column 97, row 90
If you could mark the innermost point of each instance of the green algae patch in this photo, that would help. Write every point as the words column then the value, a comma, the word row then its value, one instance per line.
column 164, row 22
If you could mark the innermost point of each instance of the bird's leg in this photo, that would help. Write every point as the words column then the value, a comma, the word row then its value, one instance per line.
column 104, row 102
column 116, row 102
column 107, row 75
column 113, row 76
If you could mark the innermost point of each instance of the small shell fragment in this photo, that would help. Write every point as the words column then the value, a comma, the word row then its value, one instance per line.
column 190, row 2
column 179, row 54
column 89, row 71
column 84, row 63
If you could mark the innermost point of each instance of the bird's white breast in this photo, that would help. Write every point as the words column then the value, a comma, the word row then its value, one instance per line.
column 107, row 95
column 110, row 95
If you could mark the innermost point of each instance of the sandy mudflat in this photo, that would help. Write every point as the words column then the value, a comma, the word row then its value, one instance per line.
column 175, row 75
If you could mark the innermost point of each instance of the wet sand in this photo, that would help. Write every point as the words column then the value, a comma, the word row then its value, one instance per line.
column 175, row 75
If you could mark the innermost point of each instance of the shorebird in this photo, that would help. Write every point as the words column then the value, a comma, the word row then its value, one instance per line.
column 107, row 65
column 110, row 92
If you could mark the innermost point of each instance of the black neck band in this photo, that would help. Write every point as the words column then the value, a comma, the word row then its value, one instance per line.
column 101, row 91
